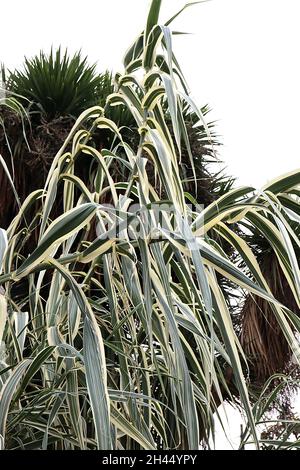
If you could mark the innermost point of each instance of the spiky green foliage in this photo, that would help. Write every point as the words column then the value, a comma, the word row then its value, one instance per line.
column 116, row 330
column 58, row 84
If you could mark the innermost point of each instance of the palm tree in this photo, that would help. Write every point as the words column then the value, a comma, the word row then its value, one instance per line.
column 51, row 90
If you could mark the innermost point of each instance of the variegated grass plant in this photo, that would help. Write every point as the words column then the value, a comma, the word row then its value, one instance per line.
column 115, row 331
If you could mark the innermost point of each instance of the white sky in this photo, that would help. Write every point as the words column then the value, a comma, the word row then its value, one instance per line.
column 242, row 59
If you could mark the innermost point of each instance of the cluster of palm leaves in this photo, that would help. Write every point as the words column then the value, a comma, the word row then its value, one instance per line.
column 58, row 84
column 117, row 331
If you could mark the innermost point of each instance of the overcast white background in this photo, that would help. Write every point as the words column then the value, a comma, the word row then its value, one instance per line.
column 242, row 58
